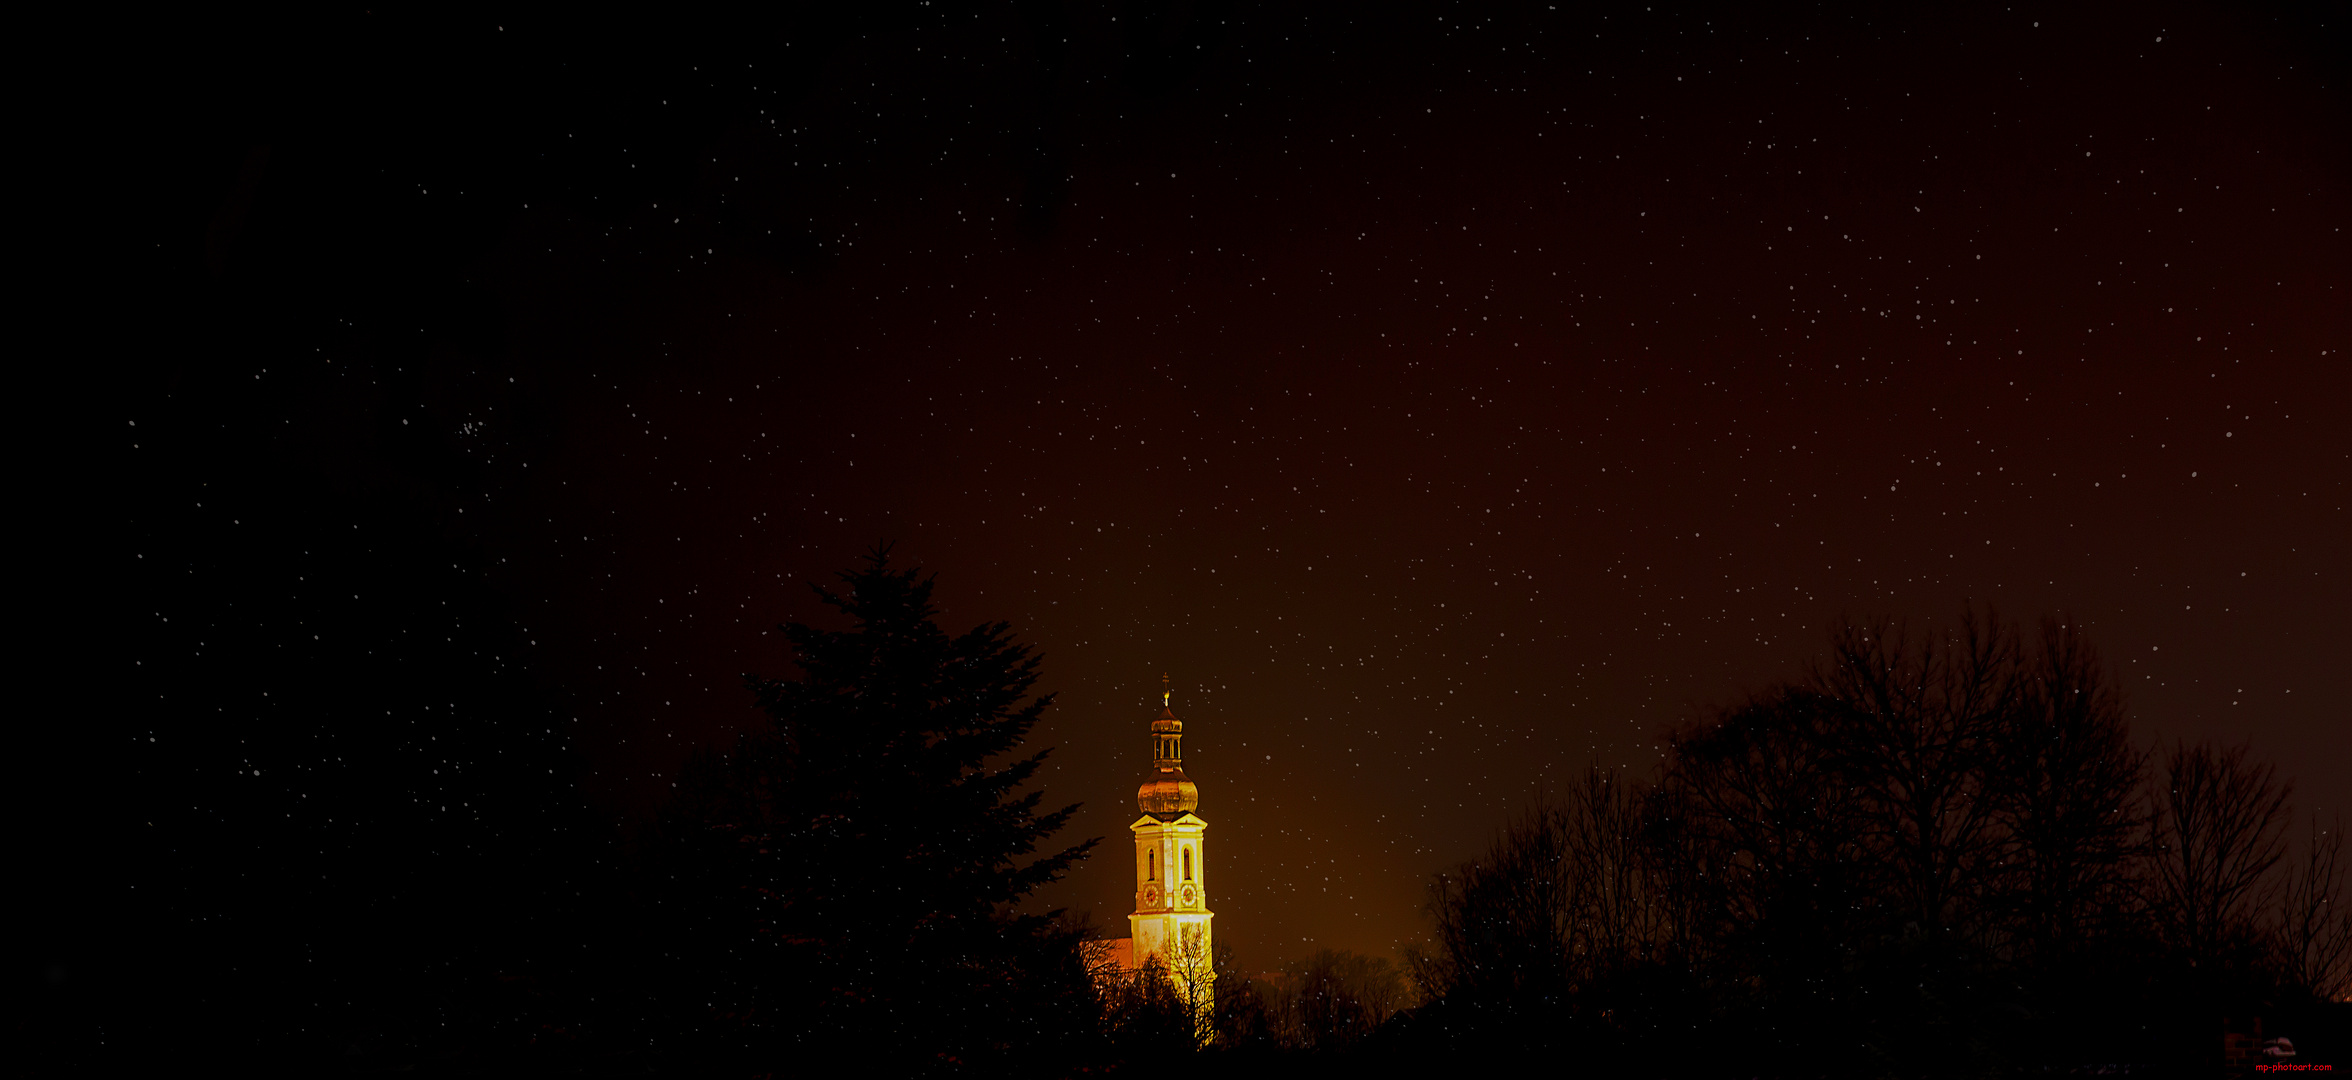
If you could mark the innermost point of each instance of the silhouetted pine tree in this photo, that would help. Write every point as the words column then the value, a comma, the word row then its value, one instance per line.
column 846, row 877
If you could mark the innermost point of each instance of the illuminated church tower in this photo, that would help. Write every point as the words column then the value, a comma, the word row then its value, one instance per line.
column 1171, row 874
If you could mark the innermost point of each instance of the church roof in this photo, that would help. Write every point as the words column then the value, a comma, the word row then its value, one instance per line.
column 1166, row 819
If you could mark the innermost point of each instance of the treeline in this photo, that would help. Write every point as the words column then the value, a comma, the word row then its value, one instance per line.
column 1936, row 854
column 1929, row 855
column 1331, row 1003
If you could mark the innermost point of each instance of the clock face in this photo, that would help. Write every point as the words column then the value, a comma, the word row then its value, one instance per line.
column 1191, row 896
column 1151, row 895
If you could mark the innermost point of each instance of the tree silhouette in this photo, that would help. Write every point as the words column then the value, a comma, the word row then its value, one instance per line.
column 1149, row 1019
column 2314, row 932
column 1915, row 724
column 1334, row 1000
column 1572, row 892
column 2220, row 827
column 2067, row 795
column 1770, row 841
column 850, row 871
column 1929, row 852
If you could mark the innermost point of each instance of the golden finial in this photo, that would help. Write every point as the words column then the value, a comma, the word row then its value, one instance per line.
column 1164, row 690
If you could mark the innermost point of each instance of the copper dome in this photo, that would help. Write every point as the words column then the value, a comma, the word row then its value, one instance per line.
column 1168, row 793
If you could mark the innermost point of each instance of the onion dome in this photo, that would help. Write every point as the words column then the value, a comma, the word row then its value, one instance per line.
column 1168, row 793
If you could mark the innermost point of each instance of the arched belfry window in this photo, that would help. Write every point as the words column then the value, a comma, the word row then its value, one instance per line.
column 1152, row 864
column 1188, row 864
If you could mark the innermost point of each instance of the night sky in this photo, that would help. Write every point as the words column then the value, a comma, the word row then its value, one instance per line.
column 1443, row 401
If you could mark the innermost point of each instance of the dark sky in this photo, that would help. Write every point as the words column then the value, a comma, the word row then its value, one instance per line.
column 1444, row 401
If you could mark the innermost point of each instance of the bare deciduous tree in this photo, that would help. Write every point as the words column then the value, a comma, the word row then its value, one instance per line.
column 1618, row 914
column 1961, row 784
column 2067, row 786
column 1334, row 1000
column 1766, row 855
column 1917, row 723
column 2218, row 830
column 1143, row 1011
column 2314, row 931
column 1500, row 922
column 1571, row 891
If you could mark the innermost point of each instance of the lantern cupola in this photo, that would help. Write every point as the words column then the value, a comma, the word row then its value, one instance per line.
column 1168, row 793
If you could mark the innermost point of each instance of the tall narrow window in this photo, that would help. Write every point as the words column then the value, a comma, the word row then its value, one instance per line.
column 1188, row 864
column 1152, row 862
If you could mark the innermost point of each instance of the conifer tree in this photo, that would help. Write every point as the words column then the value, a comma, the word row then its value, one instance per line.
column 854, row 866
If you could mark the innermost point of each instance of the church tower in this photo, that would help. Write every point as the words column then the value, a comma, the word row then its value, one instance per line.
column 1171, row 870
